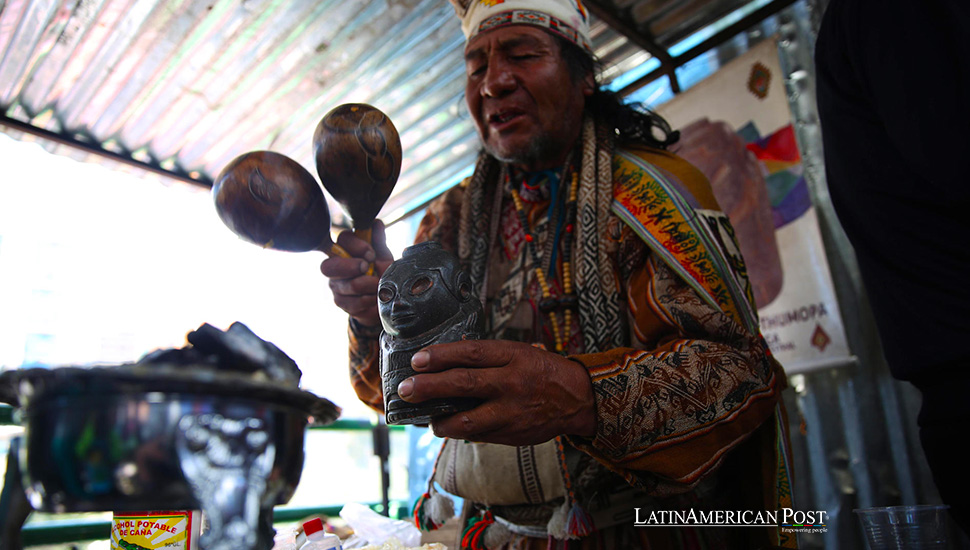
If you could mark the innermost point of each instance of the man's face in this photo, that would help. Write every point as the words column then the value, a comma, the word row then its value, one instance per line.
column 526, row 106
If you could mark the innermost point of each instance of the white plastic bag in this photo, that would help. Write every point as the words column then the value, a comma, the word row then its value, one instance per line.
column 373, row 528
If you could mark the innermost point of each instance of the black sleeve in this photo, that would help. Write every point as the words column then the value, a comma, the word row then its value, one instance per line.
column 894, row 103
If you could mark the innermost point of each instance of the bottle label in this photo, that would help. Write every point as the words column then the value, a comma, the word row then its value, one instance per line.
column 153, row 530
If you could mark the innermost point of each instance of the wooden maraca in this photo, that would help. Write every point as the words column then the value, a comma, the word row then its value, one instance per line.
column 270, row 200
column 358, row 154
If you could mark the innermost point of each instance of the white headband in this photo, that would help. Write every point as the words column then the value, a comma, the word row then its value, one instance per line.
column 567, row 18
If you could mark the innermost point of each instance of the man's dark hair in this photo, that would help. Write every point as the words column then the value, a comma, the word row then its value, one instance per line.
column 634, row 122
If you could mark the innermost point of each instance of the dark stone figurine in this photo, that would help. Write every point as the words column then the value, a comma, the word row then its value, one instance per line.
column 424, row 298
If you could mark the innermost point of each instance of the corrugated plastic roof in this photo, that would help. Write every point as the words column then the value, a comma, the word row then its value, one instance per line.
column 186, row 86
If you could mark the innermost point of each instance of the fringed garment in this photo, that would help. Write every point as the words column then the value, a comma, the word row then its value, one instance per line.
column 687, row 393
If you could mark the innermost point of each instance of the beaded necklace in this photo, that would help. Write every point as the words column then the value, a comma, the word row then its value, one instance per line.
column 549, row 305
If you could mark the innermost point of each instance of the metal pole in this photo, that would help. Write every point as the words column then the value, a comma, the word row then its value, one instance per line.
column 382, row 449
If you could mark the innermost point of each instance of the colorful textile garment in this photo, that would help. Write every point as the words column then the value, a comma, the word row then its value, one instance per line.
column 687, row 403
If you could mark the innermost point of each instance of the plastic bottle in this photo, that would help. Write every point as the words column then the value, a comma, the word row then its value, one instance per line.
column 317, row 538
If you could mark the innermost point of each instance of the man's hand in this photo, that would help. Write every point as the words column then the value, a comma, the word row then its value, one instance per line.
column 353, row 290
column 529, row 395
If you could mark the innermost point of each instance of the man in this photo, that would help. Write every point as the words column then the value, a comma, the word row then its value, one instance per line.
column 624, row 372
column 893, row 83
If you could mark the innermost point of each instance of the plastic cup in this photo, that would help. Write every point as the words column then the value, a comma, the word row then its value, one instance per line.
column 904, row 527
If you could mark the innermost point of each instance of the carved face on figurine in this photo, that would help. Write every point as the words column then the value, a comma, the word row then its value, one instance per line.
column 421, row 291
column 424, row 298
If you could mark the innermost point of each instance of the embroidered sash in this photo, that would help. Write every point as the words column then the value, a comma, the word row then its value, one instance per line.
column 698, row 244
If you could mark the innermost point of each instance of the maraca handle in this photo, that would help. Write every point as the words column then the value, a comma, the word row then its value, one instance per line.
column 334, row 249
column 365, row 234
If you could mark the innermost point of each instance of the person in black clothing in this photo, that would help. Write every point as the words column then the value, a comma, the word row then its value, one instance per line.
column 894, row 103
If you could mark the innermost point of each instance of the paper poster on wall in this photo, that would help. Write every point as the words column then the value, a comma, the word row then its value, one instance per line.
column 737, row 129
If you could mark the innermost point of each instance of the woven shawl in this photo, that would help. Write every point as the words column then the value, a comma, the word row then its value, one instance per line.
column 600, row 316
